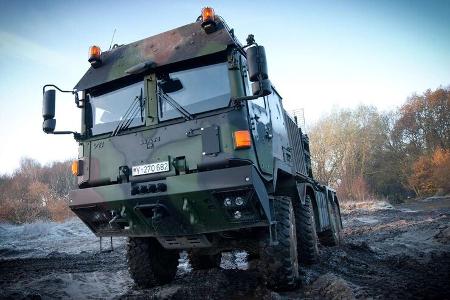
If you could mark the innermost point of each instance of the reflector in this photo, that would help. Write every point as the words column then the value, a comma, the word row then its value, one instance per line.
column 75, row 168
column 242, row 139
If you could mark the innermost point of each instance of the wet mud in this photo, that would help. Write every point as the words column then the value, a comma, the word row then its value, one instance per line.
column 400, row 252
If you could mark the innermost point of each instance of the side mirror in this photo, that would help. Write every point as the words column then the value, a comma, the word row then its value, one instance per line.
column 49, row 125
column 262, row 88
column 48, row 111
column 48, row 105
column 257, row 63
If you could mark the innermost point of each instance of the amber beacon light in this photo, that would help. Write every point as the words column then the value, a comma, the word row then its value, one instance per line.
column 94, row 56
column 208, row 19
column 207, row 14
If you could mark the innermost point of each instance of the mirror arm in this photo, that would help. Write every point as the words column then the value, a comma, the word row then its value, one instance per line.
column 73, row 92
column 76, row 135
column 247, row 98
column 52, row 85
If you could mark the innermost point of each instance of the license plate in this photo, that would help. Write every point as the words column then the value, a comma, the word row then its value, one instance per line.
column 150, row 168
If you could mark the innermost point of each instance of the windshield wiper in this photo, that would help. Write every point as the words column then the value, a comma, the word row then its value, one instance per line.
column 136, row 106
column 187, row 115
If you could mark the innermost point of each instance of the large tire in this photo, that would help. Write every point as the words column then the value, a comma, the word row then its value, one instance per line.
column 279, row 263
column 204, row 262
column 332, row 236
column 308, row 250
column 149, row 263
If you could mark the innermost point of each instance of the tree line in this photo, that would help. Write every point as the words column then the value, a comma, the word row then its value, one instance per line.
column 365, row 153
column 362, row 152
column 35, row 192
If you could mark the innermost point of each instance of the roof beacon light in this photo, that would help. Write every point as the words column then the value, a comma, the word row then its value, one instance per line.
column 208, row 19
column 94, row 56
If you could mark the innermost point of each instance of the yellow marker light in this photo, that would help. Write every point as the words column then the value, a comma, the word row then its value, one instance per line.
column 76, row 168
column 207, row 14
column 242, row 139
column 94, row 56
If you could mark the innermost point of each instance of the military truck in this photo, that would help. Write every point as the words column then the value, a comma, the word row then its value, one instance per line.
column 185, row 146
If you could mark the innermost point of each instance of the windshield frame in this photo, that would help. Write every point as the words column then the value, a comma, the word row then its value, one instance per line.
column 150, row 92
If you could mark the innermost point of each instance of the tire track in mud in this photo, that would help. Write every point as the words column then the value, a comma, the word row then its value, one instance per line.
column 400, row 257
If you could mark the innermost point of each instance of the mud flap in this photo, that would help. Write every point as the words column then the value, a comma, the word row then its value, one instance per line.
column 266, row 203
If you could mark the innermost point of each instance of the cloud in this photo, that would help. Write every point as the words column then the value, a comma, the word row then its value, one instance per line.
column 17, row 47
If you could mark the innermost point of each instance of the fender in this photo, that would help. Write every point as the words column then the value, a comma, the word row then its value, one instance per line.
column 279, row 167
column 302, row 188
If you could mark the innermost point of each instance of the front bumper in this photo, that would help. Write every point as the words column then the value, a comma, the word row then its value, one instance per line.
column 191, row 204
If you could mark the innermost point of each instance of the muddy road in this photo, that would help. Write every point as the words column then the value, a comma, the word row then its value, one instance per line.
column 400, row 252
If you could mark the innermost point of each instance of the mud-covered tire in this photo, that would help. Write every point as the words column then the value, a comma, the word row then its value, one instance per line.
column 332, row 236
column 204, row 262
column 279, row 263
column 149, row 264
column 307, row 242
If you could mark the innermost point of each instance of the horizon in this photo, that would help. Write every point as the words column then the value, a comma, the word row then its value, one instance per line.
column 321, row 56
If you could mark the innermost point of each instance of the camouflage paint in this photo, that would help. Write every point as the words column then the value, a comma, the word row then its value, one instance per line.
column 194, row 204
column 177, row 45
column 195, row 181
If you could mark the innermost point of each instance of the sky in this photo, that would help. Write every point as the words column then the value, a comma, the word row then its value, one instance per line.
column 322, row 55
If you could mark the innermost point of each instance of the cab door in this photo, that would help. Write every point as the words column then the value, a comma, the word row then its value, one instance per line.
column 261, row 129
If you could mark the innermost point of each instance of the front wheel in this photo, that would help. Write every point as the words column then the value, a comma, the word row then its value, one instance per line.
column 279, row 262
column 149, row 263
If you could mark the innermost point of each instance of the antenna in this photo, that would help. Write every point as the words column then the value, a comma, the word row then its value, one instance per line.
column 112, row 39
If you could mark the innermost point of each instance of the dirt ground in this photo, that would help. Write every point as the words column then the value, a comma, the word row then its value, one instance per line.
column 400, row 252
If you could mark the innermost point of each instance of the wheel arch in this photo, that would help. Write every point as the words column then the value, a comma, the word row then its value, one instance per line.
column 283, row 181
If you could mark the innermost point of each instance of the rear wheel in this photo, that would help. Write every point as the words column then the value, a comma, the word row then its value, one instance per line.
column 149, row 263
column 308, row 250
column 279, row 262
column 203, row 262
column 332, row 236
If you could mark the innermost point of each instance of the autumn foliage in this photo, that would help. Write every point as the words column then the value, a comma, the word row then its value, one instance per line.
column 362, row 152
column 365, row 153
column 431, row 173
column 36, row 192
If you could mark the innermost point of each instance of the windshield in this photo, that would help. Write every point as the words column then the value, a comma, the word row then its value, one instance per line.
column 111, row 108
column 195, row 90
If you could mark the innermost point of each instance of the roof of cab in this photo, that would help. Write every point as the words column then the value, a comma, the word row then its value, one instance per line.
column 182, row 43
